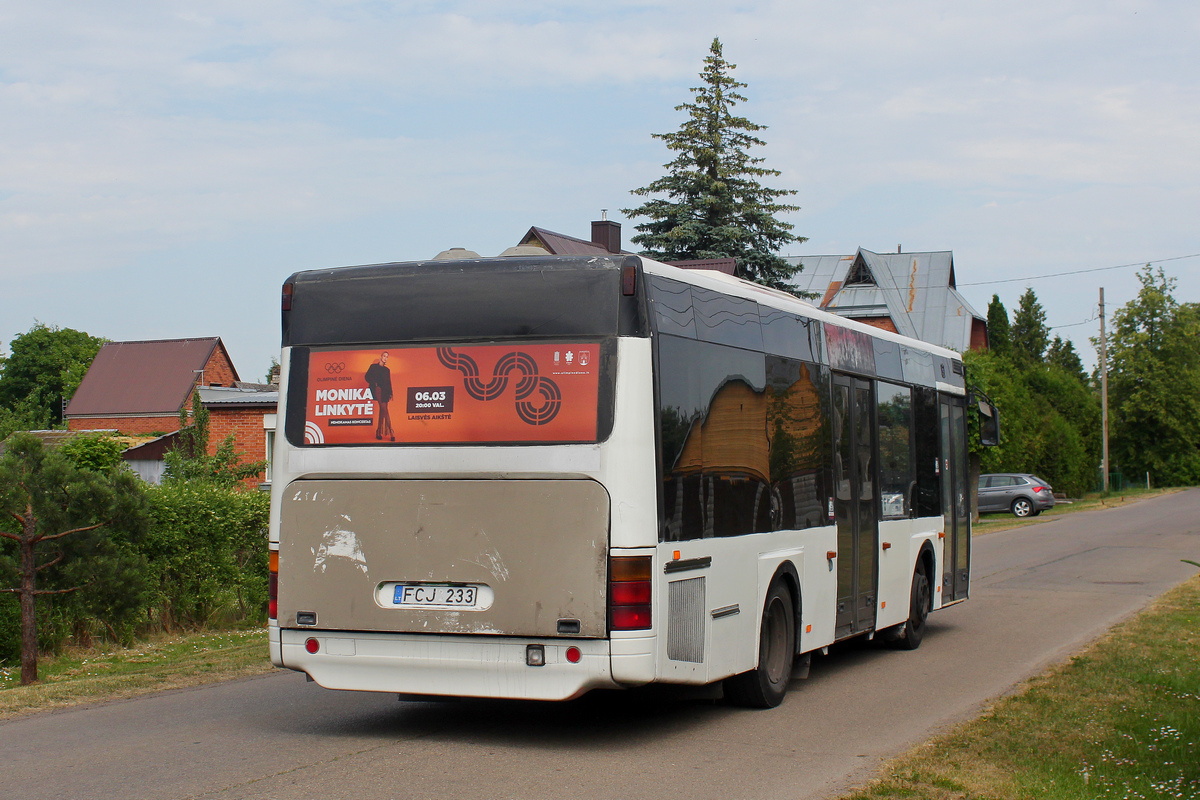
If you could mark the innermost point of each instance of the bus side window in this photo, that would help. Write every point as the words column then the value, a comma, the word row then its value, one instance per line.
column 925, row 423
column 714, row 440
column 896, row 474
column 797, row 427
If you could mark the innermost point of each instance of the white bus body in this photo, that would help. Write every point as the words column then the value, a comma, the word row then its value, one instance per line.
column 737, row 494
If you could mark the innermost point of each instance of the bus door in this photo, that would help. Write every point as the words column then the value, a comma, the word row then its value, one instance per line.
column 854, row 435
column 956, row 508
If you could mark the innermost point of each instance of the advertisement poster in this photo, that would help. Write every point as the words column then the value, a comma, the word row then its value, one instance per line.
column 458, row 394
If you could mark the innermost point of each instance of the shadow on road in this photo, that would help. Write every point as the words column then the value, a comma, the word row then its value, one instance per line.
column 612, row 719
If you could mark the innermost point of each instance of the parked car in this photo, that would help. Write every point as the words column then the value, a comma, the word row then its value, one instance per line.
column 1023, row 494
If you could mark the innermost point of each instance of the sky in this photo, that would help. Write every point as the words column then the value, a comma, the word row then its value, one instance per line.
column 165, row 166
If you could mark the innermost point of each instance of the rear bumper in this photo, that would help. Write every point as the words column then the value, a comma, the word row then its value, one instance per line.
column 462, row 666
column 1043, row 500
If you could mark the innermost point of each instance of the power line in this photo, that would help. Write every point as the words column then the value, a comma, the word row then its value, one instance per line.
column 1073, row 324
column 904, row 287
column 1081, row 272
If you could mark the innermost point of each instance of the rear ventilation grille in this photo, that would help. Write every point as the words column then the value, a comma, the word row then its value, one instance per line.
column 685, row 626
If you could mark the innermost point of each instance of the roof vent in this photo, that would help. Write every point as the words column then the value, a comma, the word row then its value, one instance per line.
column 455, row 254
column 525, row 250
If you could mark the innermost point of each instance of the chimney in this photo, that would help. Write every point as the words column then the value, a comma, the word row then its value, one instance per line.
column 607, row 233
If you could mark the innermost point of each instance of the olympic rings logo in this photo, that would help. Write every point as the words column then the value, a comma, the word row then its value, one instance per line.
column 334, row 367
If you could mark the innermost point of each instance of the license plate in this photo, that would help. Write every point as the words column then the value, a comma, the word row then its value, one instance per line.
column 429, row 595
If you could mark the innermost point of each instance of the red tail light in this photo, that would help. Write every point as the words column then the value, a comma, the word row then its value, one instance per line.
column 629, row 593
column 287, row 297
column 629, row 280
column 1037, row 489
column 273, row 586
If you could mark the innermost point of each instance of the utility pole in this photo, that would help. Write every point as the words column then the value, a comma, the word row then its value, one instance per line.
column 1103, row 394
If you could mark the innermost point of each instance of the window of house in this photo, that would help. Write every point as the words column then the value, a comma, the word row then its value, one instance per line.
column 269, row 437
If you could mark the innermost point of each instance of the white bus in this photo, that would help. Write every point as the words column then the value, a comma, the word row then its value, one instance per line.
column 530, row 477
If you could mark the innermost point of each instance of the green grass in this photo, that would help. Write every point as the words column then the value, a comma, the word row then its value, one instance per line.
column 1120, row 720
column 990, row 523
column 79, row 676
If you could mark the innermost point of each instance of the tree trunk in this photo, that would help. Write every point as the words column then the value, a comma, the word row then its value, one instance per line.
column 29, row 672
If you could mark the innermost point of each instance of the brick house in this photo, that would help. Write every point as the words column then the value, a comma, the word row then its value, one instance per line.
column 248, row 412
column 140, row 388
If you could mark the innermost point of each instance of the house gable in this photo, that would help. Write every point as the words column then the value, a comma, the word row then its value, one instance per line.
column 912, row 293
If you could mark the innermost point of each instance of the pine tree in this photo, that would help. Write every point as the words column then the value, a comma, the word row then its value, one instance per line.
column 714, row 205
column 1030, row 335
column 63, row 528
column 1062, row 354
column 999, row 334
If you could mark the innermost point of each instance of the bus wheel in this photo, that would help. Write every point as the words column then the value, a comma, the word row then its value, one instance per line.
column 908, row 636
column 765, row 686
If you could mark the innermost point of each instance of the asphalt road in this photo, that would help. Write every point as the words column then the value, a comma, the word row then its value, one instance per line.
column 1039, row 594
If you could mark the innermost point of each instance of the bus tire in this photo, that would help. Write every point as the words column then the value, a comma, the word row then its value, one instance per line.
column 765, row 685
column 909, row 635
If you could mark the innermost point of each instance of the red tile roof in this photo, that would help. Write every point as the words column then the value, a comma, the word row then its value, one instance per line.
column 153, row 377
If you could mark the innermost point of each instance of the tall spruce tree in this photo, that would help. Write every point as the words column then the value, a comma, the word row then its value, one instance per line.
column 999, row 334
column 1030, row 335
column 714, row 205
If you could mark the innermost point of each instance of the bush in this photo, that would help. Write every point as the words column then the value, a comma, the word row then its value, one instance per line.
column 1049, row 421
column 98, row 452
column 207, row 554
column 10, row 629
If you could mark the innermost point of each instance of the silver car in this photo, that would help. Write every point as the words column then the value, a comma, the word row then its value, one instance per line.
column 1023, row 494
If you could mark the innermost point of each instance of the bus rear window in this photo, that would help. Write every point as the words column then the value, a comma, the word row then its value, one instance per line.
column 452, row 394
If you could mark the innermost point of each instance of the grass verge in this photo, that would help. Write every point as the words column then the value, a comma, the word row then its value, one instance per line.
column 1120, row 720
column 80, row 676
column 990, row 523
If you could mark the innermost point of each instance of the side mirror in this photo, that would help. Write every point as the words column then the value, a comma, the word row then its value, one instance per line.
column 989, row 424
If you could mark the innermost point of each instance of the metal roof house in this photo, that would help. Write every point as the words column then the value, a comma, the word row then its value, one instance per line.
column 913, row 294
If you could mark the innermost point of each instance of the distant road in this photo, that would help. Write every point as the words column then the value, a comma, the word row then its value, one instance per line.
column 1039, row 593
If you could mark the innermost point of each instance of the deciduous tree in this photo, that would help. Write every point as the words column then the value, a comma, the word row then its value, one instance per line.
column 710, row 204
column 44, row 367
column 1154, row 384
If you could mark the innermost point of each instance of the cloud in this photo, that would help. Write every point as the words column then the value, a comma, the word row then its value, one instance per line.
column 1052, row 133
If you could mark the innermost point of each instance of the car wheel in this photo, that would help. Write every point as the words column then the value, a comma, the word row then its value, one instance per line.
column 765, row 685
column 1021, row 507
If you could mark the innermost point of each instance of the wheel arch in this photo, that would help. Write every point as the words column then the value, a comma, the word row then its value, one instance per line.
column 786, row 572
column 927, row 561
